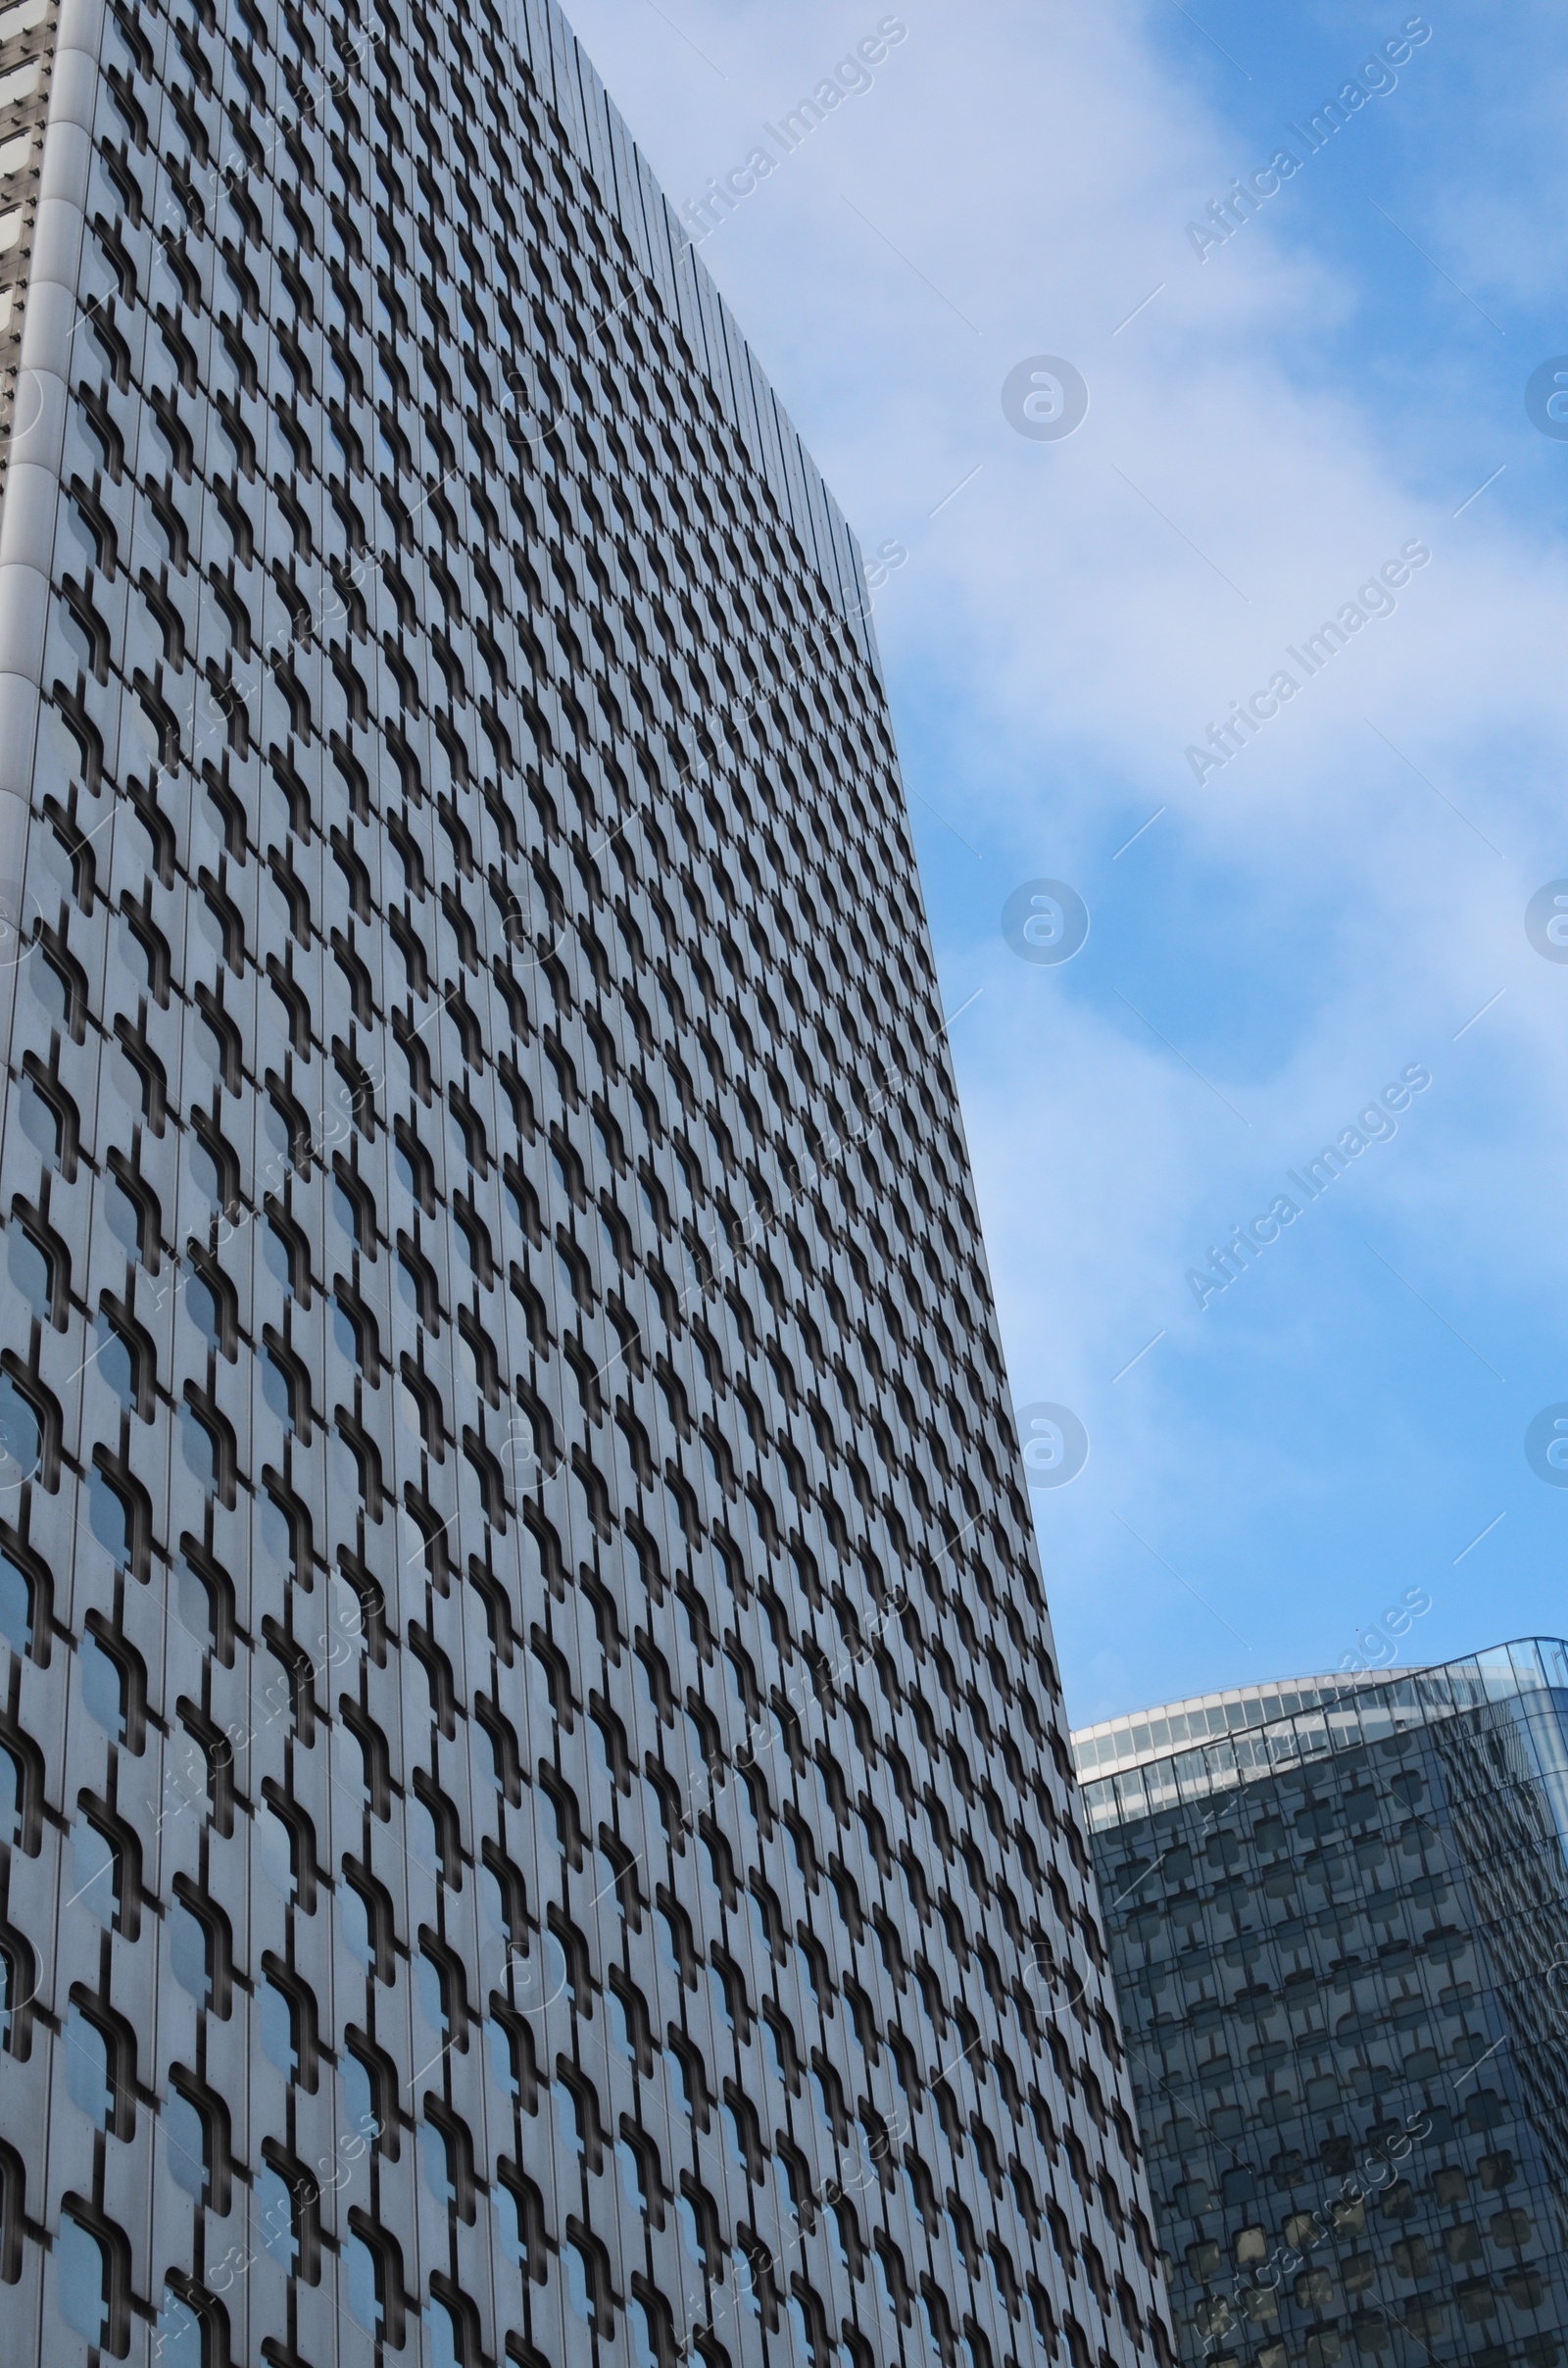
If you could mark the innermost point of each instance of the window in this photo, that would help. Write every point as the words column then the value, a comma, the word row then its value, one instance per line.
column 96, row 1871
column 275, row 2214
column 180, row 2343
column 104, row 1686
column 287, row 1254
column 199, row 1447
column 587, row 2280
column 88, row 2078
column 362, row 2088
column 16, row 1606
column 202, row 1304
column 190, row 1952
column 21, row 1436
column 12, row 1795
column 278, row 2013
column 187, row 2144
column 363, row 2275
column 32, row 1270
column 42, row 1124
column 276, row 1844
column 373, row 2268
column 116, row 1363
column 286, row 1387
column 439, row 1976
column 81, row 2279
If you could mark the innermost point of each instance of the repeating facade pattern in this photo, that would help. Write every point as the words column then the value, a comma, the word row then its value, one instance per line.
column 1341, row 1940
column 534, row 1819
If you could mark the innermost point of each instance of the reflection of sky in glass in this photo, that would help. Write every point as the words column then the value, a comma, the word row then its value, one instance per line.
column 29, row 1271
column 21, row 1445
column 179, row 2335
column 361, row 2263
column 432, row 2005
column 102, row 1688
column 114, row 1364
column 437, row 2170
column 1542, row 1724
column 185, row 2144
column 79, row 2279
column 278, row 2030
column 187, row 1941
column 276, row 2209
column 93, row 1872
column 196, row 1444
column 15, row 1623
column 443, row 2337
column 577, row 2280
column 87, row 2068
column 106, row 1515
column 508, row 2224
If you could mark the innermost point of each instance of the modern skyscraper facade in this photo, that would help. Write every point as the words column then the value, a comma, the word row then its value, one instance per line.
column 1340, row 1931
column 534, row 1819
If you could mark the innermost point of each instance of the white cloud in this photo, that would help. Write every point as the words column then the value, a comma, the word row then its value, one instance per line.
column 1316, row 915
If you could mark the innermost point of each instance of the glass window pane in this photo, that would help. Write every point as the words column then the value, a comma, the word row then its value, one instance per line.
column 106, row 1515
column 121, row 1211
column 102, row 1687
column 507, row 2224
column 196, row 1444
column 38, row 1121
column 277, row 2031
column 185, row 2144
column 179, row 2335
column 80, row 2281
column 443, row 2337
column 275, row 2208
column 188, row 1953
column 21, row 1442
column 94, row 1872
column 359, row 2096
column 203, row 1308
column 501, row 2060
column 360, row 2265
column 431, row 2003
column 114, row 1363
column 277, row 1858
column 577, row 2280
column 87, row 2068
column 16, row 1607
column 355, row 1926
column 433, row 2154
column 645, row 2350
column 192, row 1608
column 28, row 1269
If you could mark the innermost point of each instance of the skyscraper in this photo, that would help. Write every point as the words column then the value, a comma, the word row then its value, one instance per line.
column 534, row 1821
column 1339, row 1919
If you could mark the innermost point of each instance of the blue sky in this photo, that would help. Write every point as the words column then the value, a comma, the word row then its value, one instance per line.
column 1340, row 378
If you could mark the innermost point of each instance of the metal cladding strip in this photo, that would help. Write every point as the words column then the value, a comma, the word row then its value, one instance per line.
column 37, row 441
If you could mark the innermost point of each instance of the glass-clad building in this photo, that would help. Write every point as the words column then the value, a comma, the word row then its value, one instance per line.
column 1340, row 1932
column 536, row 1826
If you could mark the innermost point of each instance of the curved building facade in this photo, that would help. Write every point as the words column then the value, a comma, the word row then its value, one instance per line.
column 1340, row 1943
column 535, row 1824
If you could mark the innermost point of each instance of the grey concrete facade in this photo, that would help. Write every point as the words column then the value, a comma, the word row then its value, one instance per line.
column 534, row 1818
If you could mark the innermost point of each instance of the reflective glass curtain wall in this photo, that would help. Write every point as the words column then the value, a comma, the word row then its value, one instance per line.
column 1340, row 1943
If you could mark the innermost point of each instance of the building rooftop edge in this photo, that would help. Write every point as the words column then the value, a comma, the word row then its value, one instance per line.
column 1243, row 1709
